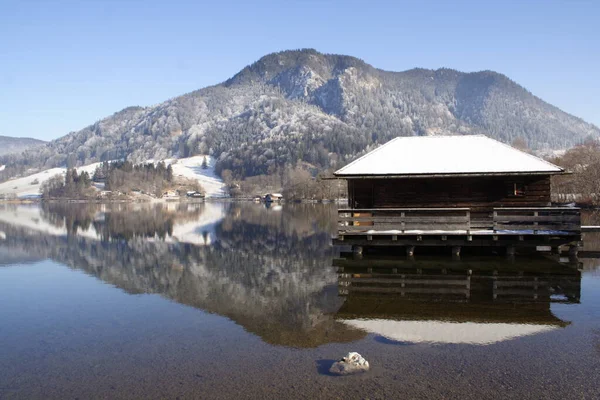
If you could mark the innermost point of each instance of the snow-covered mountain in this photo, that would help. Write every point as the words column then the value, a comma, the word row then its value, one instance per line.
column 317, row 108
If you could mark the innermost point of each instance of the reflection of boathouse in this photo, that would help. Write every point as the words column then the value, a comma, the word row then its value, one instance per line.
column 479, row 301
column 453, row 191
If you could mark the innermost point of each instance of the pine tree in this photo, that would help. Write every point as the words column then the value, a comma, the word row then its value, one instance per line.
column 204, row 163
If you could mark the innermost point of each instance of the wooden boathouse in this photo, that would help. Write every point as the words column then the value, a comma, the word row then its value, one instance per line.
column 453, row 191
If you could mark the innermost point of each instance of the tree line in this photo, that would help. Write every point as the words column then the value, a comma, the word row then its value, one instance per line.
column 582, row 185
column 72, row 185
column 124, row 176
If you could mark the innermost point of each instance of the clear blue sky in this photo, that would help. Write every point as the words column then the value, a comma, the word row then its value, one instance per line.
column 66, row 64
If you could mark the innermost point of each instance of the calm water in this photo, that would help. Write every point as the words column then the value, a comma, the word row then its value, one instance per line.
column 242, row 301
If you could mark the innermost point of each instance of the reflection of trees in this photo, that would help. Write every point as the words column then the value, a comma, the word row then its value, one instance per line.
column 241, row 225
column 274, row 280
column 291, row 219
column 69, row 215
column 120, row 221
column 127, row 225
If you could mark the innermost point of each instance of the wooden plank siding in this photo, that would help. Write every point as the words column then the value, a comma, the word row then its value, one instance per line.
column 480, row 194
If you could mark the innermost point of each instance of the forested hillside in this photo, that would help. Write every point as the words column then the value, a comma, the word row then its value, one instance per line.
column 322, row 110
column 14, row 145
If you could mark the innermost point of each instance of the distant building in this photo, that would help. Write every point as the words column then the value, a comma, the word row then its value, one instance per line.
column 195, row 194
column 273, row 197
column 170, row 194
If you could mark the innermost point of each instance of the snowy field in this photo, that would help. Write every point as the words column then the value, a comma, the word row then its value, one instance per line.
column 191, row 167
column 29, row 186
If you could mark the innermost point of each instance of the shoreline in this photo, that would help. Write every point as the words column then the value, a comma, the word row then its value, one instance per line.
column 171, row 201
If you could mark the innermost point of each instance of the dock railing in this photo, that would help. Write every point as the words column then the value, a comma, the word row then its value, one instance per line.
column 401, row 220
column 394, row 221
column 560, row 219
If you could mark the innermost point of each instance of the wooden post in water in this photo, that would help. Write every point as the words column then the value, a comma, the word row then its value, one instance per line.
column 510, row 250
column 510, row 253
column 456, row 252
column 573, row 250
column 358, row 251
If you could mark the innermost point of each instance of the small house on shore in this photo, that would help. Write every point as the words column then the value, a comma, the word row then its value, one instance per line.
column 194, row 194
column 443, row 186
column 273, row 197
column 170, row 194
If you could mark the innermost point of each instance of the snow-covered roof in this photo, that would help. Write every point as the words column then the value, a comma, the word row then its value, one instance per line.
column 446, row 155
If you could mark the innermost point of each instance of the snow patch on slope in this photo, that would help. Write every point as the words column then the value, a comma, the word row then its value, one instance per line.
column 29, row 186
column 191, row 167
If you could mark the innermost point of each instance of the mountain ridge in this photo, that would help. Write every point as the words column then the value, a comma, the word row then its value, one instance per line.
column 305, row 106
column 12, row 145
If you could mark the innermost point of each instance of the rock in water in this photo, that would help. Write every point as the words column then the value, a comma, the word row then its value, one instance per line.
column 353, row 363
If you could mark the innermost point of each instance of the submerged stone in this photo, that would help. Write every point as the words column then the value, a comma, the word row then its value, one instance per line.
column 353, row 363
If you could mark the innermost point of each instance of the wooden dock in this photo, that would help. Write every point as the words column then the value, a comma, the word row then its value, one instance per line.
column 506, row 227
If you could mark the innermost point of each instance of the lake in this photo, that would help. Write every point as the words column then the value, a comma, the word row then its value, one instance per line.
column 239, row 300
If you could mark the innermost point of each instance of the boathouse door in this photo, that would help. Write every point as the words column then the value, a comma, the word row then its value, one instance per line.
column 361, row 193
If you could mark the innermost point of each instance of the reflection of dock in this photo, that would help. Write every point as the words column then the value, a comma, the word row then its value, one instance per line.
column 538, row 279
column 475, row 301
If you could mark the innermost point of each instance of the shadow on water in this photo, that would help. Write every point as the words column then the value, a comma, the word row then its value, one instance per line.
column 384, row 340
column 324, row 365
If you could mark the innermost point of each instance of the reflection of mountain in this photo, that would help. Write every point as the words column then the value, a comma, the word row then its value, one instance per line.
column 479, row 302
column 270, row 271
column 112, row 221
column 271, row 278
column 14, row 256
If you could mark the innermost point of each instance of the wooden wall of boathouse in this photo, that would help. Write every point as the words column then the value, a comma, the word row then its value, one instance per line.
column 478, row 193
